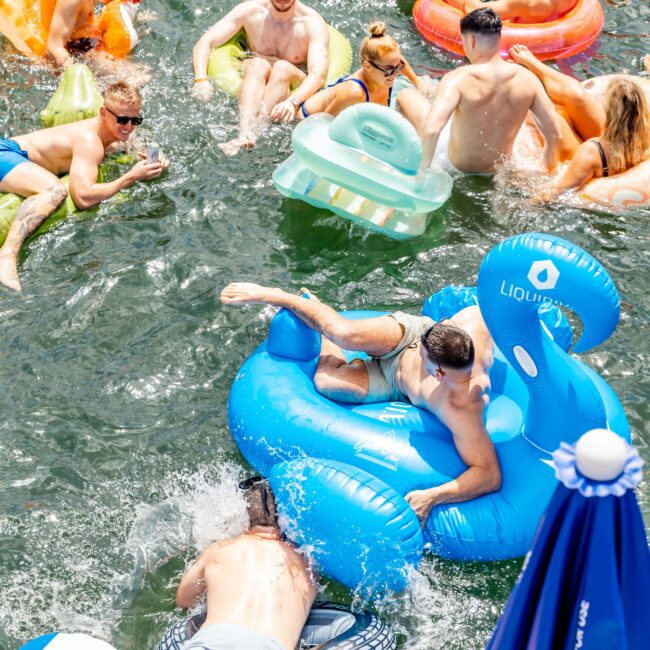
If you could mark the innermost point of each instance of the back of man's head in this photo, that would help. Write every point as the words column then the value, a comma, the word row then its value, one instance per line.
column 260, row 502
column 481, row 22
column 449, row 346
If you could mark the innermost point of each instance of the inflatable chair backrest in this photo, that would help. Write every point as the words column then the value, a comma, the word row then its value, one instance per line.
column 381, row 133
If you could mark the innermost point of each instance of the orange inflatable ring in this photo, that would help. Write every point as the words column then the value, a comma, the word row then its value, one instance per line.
column 26, row 23
column 574, row 32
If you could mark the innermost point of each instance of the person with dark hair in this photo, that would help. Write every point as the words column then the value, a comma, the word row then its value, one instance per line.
column 29, row 165
column 483, row 106
column 259, row 588
column 442, row 367
column 520, row 11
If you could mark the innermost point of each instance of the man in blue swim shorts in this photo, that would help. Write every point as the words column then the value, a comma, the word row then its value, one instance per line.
column 442, row 367
column 259, row 588
column 29, row 164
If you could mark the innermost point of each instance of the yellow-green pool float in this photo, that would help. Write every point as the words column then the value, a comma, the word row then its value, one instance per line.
column 224, row 66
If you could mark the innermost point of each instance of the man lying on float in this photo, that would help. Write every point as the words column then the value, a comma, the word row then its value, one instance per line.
column 29, row 164
column 442, row 367
column 283, row 36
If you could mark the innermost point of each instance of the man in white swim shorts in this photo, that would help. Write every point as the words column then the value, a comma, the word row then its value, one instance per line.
column 486, row 102
column 259, row 588
column 442, row 367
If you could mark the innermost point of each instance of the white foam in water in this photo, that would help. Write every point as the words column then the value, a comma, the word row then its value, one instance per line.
column 88, row 564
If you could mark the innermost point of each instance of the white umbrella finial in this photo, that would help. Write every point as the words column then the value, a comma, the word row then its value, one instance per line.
column 601, row 455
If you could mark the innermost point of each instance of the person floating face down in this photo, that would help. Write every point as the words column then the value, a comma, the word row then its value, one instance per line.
column 381, row 63
column 29, row 165
column 284, row 36
column 259, row 589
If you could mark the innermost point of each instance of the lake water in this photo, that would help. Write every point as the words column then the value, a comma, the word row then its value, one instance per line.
column 116, row 463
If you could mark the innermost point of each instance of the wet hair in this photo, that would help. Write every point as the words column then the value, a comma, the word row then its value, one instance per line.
column 378, row 44
column 260, row 502
column 123, row 93
column 627, row 127
column 485, row 22
column 449, row 346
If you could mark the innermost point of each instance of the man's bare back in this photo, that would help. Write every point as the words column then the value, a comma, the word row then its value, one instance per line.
column 280, row 604
column 487, row 102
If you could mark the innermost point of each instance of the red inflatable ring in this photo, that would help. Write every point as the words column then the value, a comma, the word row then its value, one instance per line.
column 574, row 32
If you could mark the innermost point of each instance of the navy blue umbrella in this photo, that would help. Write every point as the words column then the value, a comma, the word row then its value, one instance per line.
column 585, row 584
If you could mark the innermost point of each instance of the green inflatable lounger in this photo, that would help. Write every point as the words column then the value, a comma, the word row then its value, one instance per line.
column 362, row 165
column 77, row 97
column 224, row 65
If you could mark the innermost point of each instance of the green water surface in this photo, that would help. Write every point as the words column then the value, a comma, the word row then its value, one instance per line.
column 116, row 462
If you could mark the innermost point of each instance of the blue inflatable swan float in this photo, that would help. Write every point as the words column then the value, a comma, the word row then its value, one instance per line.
column 540, row 395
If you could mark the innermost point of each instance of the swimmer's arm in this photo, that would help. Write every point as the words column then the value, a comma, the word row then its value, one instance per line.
column 317, row 65
column 580, row 171
column 482, row 475
column 64, row 20
column 217, row 35
column 442, row 109
column 547, row 121
column 192, row 584
column 86, row 192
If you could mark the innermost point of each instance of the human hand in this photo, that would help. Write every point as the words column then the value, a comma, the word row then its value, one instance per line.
column 284, row 111
column 421, row 501
column 202, row 90
column 146, row 171
column 542, row 196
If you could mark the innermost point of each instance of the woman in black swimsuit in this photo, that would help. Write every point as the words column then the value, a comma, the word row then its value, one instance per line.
column 381, row 62
column 625, row 142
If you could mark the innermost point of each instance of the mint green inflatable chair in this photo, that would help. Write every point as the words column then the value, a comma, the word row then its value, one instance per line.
column 362, row 165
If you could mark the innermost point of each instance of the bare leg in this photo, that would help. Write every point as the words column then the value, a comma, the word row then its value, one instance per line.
column 251, row 95
column 414, row 107
column 47, row 194
column 585, row 112
column 337, row 379
column 283, row 76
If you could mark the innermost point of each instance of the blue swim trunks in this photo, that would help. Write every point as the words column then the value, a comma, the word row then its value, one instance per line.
column 11, row 155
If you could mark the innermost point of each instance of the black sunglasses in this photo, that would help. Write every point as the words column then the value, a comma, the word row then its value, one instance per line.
column 125, row 119
column 390, row 70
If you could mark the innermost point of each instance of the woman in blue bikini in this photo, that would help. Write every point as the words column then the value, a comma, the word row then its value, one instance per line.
column 381, row 62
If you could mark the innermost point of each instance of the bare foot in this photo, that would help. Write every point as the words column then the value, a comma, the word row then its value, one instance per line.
column 306, row 292
column 646, row 62
column 522, row 55
column 234, row 146
column 9, row 272
column 246, row 293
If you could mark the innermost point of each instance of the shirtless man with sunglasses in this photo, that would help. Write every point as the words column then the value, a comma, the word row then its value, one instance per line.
column 29, row 165
column 442, row 367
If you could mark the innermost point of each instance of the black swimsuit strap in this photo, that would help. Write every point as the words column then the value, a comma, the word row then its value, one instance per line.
column 603, row 158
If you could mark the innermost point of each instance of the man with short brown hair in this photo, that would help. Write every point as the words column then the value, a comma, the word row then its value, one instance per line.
column 29, row 165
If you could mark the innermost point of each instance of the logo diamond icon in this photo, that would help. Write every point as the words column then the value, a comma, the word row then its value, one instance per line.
column 543, row 274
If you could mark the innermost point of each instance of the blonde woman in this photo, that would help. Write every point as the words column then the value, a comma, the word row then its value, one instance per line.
column 625, row 142
column 381, row 62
